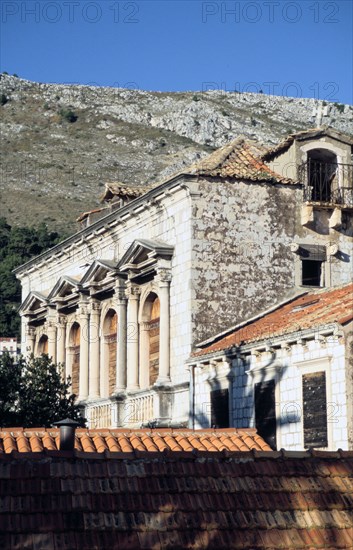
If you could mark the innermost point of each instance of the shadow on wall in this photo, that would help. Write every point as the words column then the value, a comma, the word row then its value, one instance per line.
column 246, row 406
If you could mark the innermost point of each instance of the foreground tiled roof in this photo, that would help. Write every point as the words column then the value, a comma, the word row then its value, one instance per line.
column 304, row 135
column 129, row 441
column 239, row 159
column 310, row 310
column 254, row 500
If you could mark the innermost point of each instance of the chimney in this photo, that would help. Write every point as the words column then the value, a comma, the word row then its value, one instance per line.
column 67, row 433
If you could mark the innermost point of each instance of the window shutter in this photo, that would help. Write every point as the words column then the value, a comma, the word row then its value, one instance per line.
column 265, row 411
column 314, row 410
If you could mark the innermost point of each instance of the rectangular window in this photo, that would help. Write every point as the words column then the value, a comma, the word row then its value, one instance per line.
column 311, row 273
column 312, row 259
column 265, row 411
column 314, row 410
column 220, row 409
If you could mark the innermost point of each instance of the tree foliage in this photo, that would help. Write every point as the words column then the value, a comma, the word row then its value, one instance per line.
column 17, row 245
column 34, row 394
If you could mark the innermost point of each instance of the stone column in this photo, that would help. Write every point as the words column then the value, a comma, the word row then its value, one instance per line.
column 52, row 340
column 121, row 302
column 60, row 339
column 163, row 279
column 30, row 340
column 132, row 374
column 68, row 354
column 84, row 350
column 94, row 349
column 144, row 355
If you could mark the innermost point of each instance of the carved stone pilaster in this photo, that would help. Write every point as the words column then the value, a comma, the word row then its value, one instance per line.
column 61, row 323
column 163, row 278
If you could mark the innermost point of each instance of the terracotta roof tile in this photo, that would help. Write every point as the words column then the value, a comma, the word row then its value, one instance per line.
column 121, row 190
column 239, row 159
column 186, row 499
column 307, row 311
column 305, row 135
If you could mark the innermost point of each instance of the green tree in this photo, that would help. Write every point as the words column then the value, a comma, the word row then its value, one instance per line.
column 10, row 380
column 34, row 394
column 17, row 246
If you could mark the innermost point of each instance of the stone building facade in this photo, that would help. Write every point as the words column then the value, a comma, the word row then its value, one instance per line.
column 287, row 372
column 123, row 302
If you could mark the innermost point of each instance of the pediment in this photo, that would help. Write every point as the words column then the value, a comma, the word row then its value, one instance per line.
column 98, row 271
column 65, row 286
column 33, row 302
column 143, row 253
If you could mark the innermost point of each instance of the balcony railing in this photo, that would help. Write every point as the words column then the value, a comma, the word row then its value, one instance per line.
column 100, row 414
column 132, row 412
column 329, row 183
column 139, row 410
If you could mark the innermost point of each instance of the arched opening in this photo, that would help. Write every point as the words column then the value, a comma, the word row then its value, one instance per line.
column 43, row 344
column 110, row 327
column 322, row 174
column 75, row 357
column 150, row 340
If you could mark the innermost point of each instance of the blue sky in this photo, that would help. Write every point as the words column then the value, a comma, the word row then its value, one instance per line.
column 292, row 48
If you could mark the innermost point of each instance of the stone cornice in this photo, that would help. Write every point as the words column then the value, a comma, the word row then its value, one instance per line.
column 104, row 224
column 282, row 341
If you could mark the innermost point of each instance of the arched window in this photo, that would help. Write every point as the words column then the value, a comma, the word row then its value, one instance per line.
column 322, row 174
column 110, row 326
column 43, row 344
column 74, row 343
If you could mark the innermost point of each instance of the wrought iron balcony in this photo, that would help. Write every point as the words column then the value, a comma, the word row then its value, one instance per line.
column 327, row 183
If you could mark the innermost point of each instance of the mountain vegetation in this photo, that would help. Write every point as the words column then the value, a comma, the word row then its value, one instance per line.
column 62, row 143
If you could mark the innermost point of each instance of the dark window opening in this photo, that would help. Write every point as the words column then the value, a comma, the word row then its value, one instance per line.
column 314, row 410
column 311, row 273
column 220, row 409
column 322, row 174
column 265, row 412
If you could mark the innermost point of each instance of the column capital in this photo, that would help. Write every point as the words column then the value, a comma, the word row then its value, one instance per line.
column 95, row 306
column 30, row 330
column 83, row 309
column 51, row 325
column 164, row 275
column 132, row 291
column 61, row 320
column 120, row 291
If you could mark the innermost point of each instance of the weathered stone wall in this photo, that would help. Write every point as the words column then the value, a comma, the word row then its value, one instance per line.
column 242, row 261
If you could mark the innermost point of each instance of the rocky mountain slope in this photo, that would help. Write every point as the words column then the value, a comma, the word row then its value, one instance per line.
column 61, row 143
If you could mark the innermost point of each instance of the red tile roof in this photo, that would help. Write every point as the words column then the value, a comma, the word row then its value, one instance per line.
column 311, row 133
column 252, row 500
column 121, row 190
column 310, row 310
column 127, row 441
column 239, row 159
